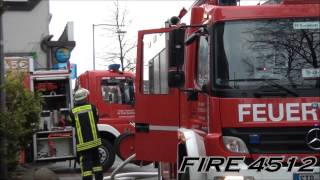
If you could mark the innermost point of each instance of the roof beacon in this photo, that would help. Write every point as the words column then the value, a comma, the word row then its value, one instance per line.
column 114, row 67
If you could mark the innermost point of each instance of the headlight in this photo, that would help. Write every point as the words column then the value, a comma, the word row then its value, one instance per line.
column 235, row 144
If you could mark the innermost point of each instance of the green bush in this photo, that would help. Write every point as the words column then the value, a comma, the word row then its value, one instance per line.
column 21, row 118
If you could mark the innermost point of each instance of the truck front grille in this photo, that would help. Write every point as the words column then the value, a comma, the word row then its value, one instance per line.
column 282, row 140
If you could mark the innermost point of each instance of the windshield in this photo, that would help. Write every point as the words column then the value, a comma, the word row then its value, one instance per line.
column 284, row 51
column 117, row 90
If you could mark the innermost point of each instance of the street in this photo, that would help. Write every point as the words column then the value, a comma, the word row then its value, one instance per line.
column 65, row 172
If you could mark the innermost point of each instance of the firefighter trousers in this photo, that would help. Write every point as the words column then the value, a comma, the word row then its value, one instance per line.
column 90, row 164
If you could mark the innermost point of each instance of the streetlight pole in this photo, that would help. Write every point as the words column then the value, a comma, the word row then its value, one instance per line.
column 93, row 49
column 93, row 40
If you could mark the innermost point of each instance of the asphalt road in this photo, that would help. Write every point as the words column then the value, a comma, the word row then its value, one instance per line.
column 66, row 172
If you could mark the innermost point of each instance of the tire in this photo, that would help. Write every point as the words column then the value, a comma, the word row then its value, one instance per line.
column 124, row 147
column 106, row 154
column 118, row 143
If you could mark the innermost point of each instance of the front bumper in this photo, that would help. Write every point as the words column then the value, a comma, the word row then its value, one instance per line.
column 281, row 174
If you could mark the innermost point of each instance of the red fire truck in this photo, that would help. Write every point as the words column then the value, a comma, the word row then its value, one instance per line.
column 237, row 81
column 112, row 92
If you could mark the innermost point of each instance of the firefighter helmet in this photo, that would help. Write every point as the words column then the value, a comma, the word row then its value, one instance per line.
column 81, row 94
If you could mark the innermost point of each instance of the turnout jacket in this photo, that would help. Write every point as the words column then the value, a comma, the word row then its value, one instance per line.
column 84, row 118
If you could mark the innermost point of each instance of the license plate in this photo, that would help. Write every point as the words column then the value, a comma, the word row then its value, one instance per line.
column 306, row 176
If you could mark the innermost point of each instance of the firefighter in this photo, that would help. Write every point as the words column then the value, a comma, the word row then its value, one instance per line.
column 84, row 118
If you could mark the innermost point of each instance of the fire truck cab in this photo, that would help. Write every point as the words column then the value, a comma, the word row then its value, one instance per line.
column 236, row 81
column 112, row 92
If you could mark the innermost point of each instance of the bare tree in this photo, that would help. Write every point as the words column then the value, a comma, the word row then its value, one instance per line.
column 119, row 51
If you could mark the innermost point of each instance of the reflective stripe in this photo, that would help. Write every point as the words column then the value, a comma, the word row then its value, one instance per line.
column 81, row 108
column 85, row 111
column 93, row 126
column 163, row 128
column 97, row 169
column 78, row 127
column 81, row 164
column 87, row 173
column 89, row 145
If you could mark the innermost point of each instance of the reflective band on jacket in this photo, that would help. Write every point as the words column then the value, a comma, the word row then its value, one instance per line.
column 97, row 169
column 89, row 145
column 81, row 108
column 82, row 145
column 78, row 129
column 81, row 164
column 87, row 173
column 93, row 126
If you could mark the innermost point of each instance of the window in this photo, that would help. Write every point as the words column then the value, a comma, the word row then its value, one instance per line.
column 251, row 54
column 155, row 65
column 117, row 90
column 203, row 62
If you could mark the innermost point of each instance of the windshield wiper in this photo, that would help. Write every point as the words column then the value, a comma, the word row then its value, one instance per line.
column 252, row 79
column 279, row 86
column 271, row 82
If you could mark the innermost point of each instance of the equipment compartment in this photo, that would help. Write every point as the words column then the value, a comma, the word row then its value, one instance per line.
column 54, row 145
column 55, row 139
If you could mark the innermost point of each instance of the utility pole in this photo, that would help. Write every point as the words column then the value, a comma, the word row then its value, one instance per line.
column 93, row 48
column 3, row 133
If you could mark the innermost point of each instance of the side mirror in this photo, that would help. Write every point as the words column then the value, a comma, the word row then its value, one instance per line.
column 176, row 47
column 176, row 79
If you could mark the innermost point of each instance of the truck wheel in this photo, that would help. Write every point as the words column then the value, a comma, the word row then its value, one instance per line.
column 124, row 147
column 107, row 154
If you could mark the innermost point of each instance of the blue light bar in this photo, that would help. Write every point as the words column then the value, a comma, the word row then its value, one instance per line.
column 114, row 67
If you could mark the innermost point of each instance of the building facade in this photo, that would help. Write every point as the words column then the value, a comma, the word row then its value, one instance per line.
column 23, row 31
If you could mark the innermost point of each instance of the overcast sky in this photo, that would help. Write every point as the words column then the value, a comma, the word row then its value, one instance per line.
column 143, row 14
